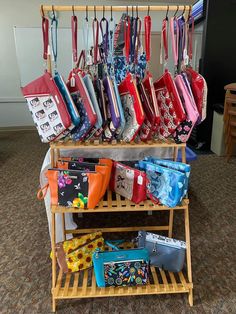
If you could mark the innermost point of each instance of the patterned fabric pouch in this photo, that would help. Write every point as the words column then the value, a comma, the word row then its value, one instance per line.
column 75, row 188
column 121, row 267
column 164, row 185
column 133, row 110
column 175, row 165
column 76, row 254
column 128, row 182
column 101, row 168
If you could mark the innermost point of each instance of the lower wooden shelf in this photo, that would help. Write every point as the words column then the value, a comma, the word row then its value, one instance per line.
column 83, row 285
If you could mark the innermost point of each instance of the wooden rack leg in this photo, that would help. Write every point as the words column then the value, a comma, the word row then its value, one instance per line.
column 183, row 153
column 52, row 156
column 53, row 241
column 171, row 218
column 188, row 253
column 175, row 154
column 63, row 225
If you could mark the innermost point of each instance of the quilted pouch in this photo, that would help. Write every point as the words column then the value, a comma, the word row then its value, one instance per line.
column 47, row 107
column 175, row 165
column 74, row 188
column 133, row 110
column 165, row 253
column 121, row 267
column 75, row 117
column 83, row 102
column 128, row 182
column 101, row 168
column 97, row 128
column 164, row 185
column 76, row 254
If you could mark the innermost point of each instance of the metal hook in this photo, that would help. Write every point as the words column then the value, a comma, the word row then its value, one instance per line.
column 184, row 10
column 95, row 13
column 167, row 12
column 176, row 11
column 73, row 10
column 148, row 12
column 132, row 10
column 111, row 14
column 127, row 10
column 189, row 12
column 137, row 11
column 42, row 11
column 103, row 12
column 86, row 17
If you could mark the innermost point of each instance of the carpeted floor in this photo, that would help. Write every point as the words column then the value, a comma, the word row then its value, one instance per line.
column 25, row 267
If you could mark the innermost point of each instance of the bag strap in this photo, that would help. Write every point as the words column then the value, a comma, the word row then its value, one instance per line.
column 104, row 37
column 139, row 40
column 95, row 40
column 134, row 31
column 54, row 28
column 81, row 59
column 127, row 37
column 174, row 30
column 113, row 244
column 88, row 60
column 190, row 38
column 164, row 42
column 74, row 29
column 45, row 30
column 147, row 29
column 42, row 192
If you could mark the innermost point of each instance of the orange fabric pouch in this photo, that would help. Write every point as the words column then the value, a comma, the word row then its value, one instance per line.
column 75, row 188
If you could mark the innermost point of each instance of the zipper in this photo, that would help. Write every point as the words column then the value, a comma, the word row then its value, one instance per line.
column 83, row 245
column 125, row 261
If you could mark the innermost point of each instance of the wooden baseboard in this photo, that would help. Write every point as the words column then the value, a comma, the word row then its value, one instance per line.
column 18, row 128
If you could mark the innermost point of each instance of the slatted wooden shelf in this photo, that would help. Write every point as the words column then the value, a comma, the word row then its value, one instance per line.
column 115, row 144
column 115, row 203
column 83, row 285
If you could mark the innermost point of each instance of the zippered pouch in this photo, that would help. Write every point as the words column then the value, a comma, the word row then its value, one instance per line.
column 83, row 102
column 133, row 110
column 97, row 128
column 76, row 254
column 164, row 185
column 175, row 165
column 165, row 253
column 101, row 168
column 128, row 182
column 47, row 107
column 112, row 101
column 171, row 109
column 74, row 188
column 121, row 268
column 75, row 117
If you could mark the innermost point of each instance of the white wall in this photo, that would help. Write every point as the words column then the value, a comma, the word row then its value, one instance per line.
column 25, row 13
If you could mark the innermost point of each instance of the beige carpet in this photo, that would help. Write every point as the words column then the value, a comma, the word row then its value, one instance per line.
column 25, row 267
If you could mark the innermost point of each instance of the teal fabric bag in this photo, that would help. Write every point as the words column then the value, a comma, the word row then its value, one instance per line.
column 121, row 267
column 164, row 185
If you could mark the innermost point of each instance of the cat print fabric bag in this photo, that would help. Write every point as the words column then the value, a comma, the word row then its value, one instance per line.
column 47, row 107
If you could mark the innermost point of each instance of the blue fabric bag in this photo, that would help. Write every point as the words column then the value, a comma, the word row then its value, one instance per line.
column 180, row 166
column 121, row 267
column 75, row 117
column 164, row 185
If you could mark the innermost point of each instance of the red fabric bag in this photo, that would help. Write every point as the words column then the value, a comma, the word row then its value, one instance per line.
column 128, row 182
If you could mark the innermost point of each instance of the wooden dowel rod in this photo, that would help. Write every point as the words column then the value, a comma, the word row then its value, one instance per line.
column 46, row 8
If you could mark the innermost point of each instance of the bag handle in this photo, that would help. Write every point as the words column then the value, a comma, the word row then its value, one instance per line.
column 74, row 29
column 190, row 38
column 113, row 244
column 104, row 36
column 174, row 30
column 139, row 41
column 127, row 37
column 95, row 39
column 42, row 192
column 86, row 41
column 45, row 30
column 54, row 28
column 164, row 42
column 147, row 29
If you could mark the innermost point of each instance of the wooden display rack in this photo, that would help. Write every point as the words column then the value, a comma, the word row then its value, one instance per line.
column 83, row 284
